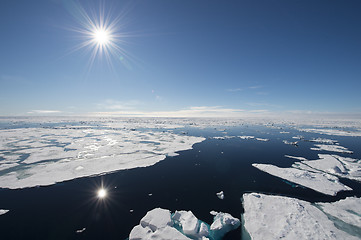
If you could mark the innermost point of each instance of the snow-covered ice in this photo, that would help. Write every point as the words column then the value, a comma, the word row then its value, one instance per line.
column 223, row 223
column 262, row 139
column 340, row 166
column 246, row 137
column 278, row 217
column 335, row 132
column 52, row 155
column 290, row 143
column 220, row 195
column 162, row 224
column 347, row 210
column 323, row 140
column 320, row 182
column 3, row 211
column 331, row 148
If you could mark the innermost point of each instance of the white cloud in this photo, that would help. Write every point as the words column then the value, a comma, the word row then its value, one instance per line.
column 195, row 111
column 110, row 104
column 44, row 111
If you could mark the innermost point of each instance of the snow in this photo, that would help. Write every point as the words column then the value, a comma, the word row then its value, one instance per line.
column 336, row 165
column 290, row 143
column 246, row 137
column 276, row 217
column 161, row 224
column 80, row 230
column 3, row 211
column 63, row 153
column 320, row 182
column 156, row 219
column 220, row 195
column 223, row 223
column 262, row 139
column 347, row 210
column 188, row 223
column 323, row 140
column 331, row 148
column 298, row 158
column 335, row 132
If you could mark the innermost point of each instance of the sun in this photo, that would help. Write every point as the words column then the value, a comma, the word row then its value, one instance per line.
column 102, row 193
column 102, row 36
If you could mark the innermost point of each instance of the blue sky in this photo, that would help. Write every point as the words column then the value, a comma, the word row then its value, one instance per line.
column 183, row 58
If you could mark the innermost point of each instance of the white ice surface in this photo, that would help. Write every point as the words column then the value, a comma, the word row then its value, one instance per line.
column 262, row 139
column 347, row 210
column 320, row 182
column 160, row 224
column 223, row 223
column 334, row 132
column 246, row 137
column 335, row 165
column 331, row 148
column 3, row 211
column 298, row 158
column 276, row 217
column 323, row 140
column 188, row 223
column 59, row 154
column 220, row 195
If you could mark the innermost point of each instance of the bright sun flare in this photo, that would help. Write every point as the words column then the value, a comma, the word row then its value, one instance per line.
column 102, row 193
column 101, row 36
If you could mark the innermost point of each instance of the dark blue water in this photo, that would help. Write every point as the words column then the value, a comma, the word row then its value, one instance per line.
column 189, row 181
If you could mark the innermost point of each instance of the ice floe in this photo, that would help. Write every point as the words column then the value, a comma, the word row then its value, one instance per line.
column 331, row 148
column 290, row 143
column 335, row 132
column 220, row 195
column 336, row 165
column 277, row 217
column 246, row 137
column 162, row 224
column 323, row 140
column 347, row 210
column 3, row 211
column 262, row 139
column 44, row 156
column 318, row 181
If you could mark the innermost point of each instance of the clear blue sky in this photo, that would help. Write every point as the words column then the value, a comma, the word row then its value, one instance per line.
column 189, row 56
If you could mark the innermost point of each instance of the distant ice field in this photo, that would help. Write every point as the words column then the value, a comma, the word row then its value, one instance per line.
column 52, row 168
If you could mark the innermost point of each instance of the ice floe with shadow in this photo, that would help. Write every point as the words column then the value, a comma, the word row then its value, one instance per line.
column 162, row 224
column 275, row 217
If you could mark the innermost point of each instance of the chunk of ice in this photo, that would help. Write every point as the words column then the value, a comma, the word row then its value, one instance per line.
column 320, row 182
column 277, row 217
column 331, row 148
column 223, row 223
column 220, row 195
column 3, row 211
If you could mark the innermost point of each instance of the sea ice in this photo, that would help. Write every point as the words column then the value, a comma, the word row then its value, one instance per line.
column 331, row 148
column 262, row 139
column 278, row 217
column 290, row 143
column 323, row 140
column 246, row 137
column 347, row 210
column 336, row 165
column 298, row 158
column 335, row 132
column 161, row 224
column 3, row 211
column 223, row 223
column 220, row 195
column 53, row 155
column 320, row 182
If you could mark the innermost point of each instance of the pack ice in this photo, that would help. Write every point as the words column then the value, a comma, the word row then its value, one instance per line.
column 44, row 156
column 162, row 224
column 278, row 217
